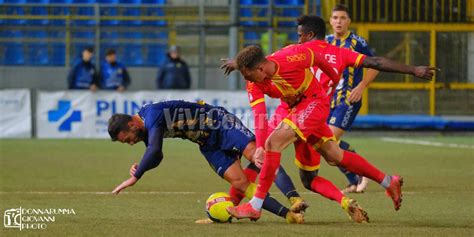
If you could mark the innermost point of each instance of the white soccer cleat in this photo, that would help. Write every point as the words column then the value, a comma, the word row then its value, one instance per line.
column 351, row 188
column 362, row 185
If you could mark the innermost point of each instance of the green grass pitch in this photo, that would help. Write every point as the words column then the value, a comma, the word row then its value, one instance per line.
column 79, row 174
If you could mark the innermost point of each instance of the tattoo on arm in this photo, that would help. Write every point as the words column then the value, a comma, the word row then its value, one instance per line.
column 372, row 62
column 387, row 65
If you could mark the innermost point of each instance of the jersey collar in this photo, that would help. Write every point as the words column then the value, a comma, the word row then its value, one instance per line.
column 346, row 36
column 277, row 67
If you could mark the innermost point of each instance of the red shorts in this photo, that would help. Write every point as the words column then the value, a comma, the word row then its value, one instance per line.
column 308, row 120
column 281, row 113
column 307, row 158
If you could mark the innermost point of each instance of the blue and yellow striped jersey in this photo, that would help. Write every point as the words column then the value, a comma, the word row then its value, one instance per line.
column 351, row 76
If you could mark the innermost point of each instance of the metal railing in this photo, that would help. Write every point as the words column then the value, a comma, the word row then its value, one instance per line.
column 432, row 30
column 397, row 11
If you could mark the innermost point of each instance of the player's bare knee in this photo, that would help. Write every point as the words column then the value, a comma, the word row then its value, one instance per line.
column 331, row 159
column 249, row 151
column 240, row 184
column 327, row 156
column 333, row 163
column 280, row 139
column 331, row 153
column 272, row 144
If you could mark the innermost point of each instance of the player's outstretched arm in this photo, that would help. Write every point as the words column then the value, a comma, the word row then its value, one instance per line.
column 151, row 159
column 387, row 65
column 125, row 184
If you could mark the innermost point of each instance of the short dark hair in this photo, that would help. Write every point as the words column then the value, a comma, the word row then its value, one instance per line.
column 313, row 24
column 117, row 124
column 89, row 49
column 110, row 52
column 341, row 7
column 250, row 57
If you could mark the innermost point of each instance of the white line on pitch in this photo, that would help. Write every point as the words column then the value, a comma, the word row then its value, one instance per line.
column 426, row 143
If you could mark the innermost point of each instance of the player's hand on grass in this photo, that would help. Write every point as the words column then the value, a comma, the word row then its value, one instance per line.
column 356, row 94
column 127, row 183
column 228, row 65
column 425, row 72
column 133, row 169
column 258, row 157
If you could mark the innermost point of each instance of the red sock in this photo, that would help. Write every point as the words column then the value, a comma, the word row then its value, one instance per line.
column 235, row 195
column 358, row 165
column 251, row 174
column 326, row 189
column 267, row 173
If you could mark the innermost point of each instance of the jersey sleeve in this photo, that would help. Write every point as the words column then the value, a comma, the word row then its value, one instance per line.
column 351, row 58
column 364, row 48
column 153, row 153
column 259, row 110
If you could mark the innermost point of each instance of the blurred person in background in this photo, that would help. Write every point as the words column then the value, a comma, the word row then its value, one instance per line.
column 174, row 72
column 83, row 74
column 113, row 74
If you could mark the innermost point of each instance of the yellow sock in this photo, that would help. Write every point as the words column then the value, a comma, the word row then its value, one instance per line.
column 250, row 191
column 345, row 203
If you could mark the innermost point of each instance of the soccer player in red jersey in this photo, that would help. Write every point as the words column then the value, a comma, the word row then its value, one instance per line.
column 307, row 163
column 314, row 28
column 287, row 70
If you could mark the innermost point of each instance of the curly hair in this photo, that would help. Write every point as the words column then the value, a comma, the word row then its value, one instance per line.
column 313, row 24
column 250, row 57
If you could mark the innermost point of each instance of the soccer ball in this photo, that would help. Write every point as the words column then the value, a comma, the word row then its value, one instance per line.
column 216, row 206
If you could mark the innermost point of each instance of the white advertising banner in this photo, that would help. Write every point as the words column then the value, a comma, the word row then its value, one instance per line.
column 15, row 113
column 83, row 114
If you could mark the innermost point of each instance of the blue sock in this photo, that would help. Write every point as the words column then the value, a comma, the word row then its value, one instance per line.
column 386, row 181
column 273, row 206
column 284, row 183
column 351, row 177
column 346, row 146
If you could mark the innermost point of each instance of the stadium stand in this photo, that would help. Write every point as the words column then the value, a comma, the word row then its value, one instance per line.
column 39, row 11
column 51, row 34
column 109, row 11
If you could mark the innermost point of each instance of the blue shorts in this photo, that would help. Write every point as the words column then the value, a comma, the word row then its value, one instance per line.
column 343, row 115
column 232, row 139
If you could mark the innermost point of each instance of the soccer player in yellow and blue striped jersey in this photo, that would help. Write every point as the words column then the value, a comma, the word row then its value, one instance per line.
column 346, row 101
